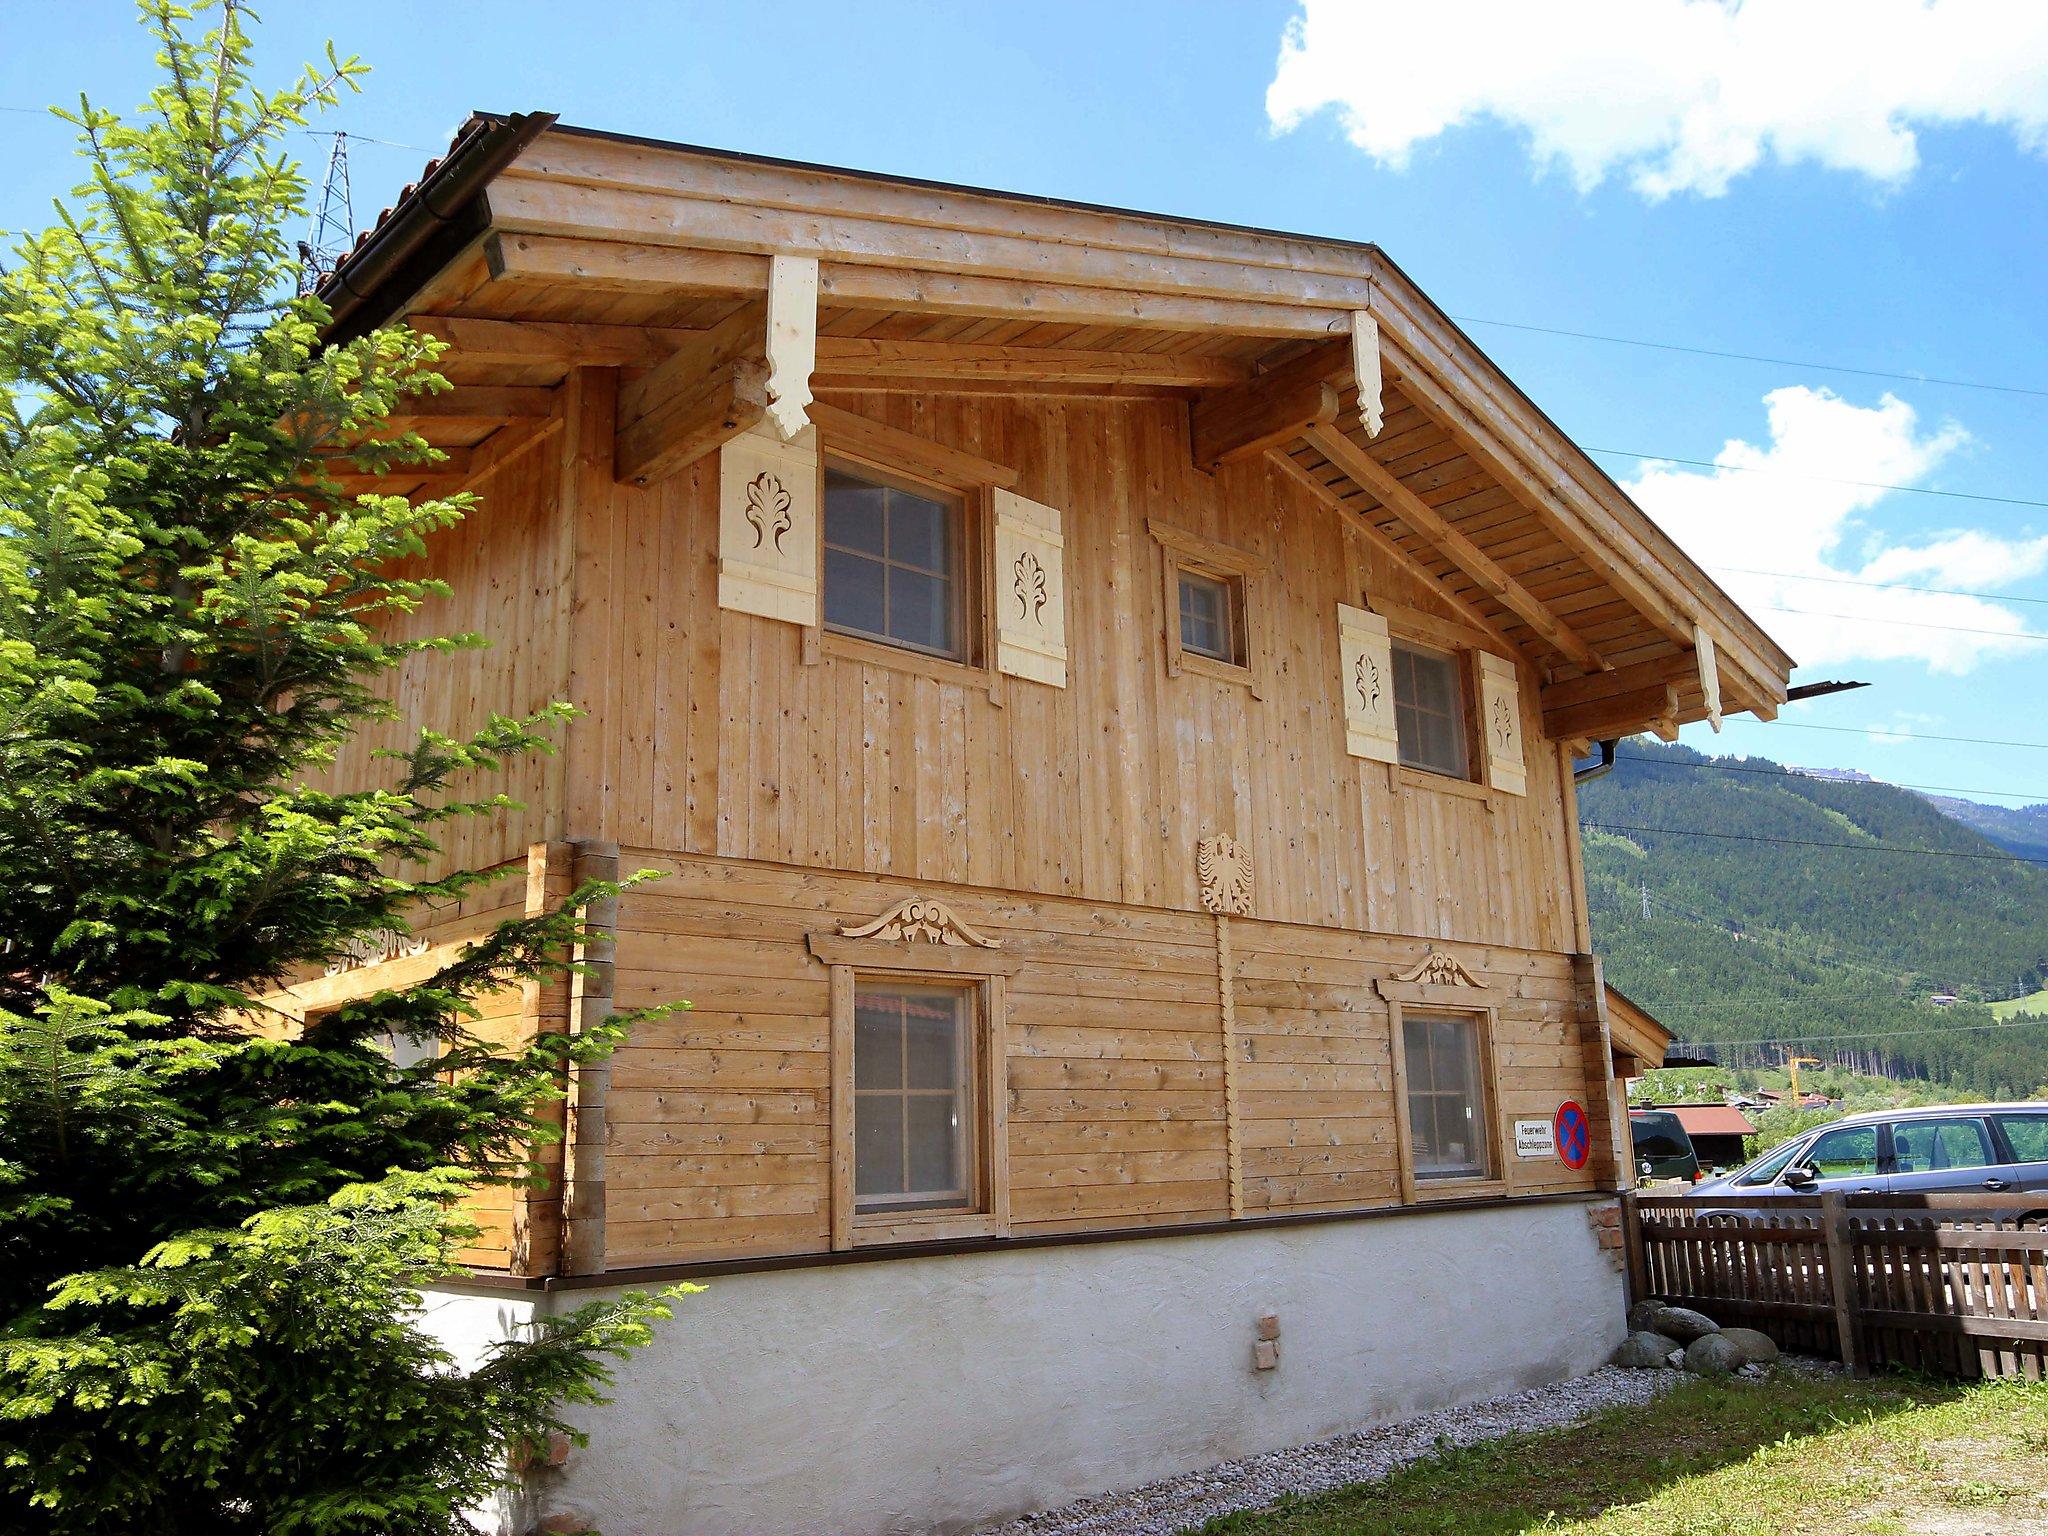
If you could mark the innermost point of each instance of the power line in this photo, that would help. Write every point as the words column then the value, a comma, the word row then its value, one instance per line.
column 1885, row 1034
column 1786, row 474
column 1753, row 357
column 1883, row 586
column 1870, row 618
column 1809, row 842
column 1798, row 773
column 1885, row 730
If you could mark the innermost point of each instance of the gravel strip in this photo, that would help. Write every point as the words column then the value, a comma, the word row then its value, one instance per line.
column 1366, row 1455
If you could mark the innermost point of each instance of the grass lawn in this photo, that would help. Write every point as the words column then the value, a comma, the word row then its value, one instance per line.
column 1893, row 1456
column 2033, row 1002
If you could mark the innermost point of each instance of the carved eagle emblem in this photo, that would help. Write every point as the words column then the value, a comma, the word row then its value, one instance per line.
column 1226, row 874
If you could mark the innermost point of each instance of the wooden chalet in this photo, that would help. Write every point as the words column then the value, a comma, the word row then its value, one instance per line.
column 1101, row 691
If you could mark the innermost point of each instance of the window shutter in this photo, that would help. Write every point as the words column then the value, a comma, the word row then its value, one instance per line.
column 768, row 525
column 1368, row 661
column 1031, row 591
column 1500, row 721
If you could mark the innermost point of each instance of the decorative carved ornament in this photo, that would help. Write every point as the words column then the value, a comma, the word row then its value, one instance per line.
column 374, row 949
column 1029, row 584
column 768, row 504
column 1226, row 874
column 920, row 920
column 1437, row 969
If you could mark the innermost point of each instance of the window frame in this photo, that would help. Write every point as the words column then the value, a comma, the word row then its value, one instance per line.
column 896, row 1208
column 874, row 448
column 964, row 597
column 1232, row 618
column 1475, row 1003
column 984, row 973
column 1247, row 573
column 1459, row 664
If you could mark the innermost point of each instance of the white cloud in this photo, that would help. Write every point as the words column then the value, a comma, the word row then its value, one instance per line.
column 1786, row 509
column 1677, row 95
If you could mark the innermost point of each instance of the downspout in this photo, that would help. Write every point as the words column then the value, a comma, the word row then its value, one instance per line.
column 1597, row 770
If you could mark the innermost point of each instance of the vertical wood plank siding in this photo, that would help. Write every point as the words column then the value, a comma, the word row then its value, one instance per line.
column 783, row 793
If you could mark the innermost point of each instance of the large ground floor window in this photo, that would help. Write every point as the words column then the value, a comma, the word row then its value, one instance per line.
column 1448, row 1135
column 914, row 1076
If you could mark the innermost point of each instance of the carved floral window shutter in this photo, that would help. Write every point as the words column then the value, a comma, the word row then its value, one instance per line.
column 768, row 525
column 1500, row 724
column 1368, row 684
column 1031, row 590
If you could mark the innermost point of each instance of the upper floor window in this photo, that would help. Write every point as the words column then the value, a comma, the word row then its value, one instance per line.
column 1430, row 711
column 1212, row 616
column 894, row 569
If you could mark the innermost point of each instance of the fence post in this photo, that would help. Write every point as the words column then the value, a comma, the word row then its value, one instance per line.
column 1834, row 1221
column 1635, row 1261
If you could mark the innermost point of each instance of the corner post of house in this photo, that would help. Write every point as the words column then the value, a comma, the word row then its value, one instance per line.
column 543, row 1009
column 1834, row 1221
column 1609, row 1117
column 590, row 1004
column 1636, row 1259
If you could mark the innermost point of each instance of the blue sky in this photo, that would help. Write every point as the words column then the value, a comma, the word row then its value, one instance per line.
column 1682, row 192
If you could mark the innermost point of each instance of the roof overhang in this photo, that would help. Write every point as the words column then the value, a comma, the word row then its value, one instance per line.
column 533, row 247
column 1635, row 1032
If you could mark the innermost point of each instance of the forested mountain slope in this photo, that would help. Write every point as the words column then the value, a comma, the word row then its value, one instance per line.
column 1802, row 918
column 2021, row 829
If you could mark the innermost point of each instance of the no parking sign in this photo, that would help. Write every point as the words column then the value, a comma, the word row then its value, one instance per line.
column 1573, row 1134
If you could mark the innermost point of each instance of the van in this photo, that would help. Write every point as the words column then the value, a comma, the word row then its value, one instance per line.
column 1662, row 1149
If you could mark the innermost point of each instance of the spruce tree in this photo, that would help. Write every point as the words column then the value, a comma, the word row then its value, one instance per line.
column 213, row 1232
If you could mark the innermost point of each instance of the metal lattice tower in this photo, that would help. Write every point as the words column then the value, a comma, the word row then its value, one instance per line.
column 332, row 229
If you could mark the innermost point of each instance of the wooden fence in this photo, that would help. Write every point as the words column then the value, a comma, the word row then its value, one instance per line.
column 1953, row 1284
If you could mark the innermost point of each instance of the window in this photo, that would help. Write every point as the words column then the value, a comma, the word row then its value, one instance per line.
column 914, row 1097
column 1849, row 1153
column 1447, row 1134
column 1928, row 1146
column 2027, row 1135
column 1767, row 1171
column 894, row 562
column 1212, row 616
column 1429, row 711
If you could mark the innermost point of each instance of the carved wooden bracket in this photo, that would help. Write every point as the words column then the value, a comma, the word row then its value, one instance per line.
column 920, row 920
column 1437, row 969
column 1226, row 874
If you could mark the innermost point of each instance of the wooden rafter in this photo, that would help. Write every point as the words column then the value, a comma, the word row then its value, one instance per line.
column 1378, row 538
column 1377, row 481
column 708, row 391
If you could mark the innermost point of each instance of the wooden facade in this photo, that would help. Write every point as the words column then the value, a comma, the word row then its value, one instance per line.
column 1191, row 898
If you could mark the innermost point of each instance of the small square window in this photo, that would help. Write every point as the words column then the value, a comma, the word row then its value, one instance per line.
column 914, row 1097
column 1212, row 616
column 894, row 563
column 1429, row 711
column 1447, row 1131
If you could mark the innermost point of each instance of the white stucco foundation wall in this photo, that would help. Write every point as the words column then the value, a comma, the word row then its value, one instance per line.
column 940, row 1394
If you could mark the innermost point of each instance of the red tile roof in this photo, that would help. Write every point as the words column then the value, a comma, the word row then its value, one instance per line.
column 1710, row 1119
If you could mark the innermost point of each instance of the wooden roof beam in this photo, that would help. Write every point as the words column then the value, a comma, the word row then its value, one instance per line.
column 551, row 342
column 1654, row 708
column 1377, row 481
column 710, row 390
column 469, row 405
column 863, row 357
column 1244, row 422
column 1292, row 468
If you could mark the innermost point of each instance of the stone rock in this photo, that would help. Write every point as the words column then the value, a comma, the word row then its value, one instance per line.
column 1757, row 1348
column 1675, row 1360
column 1643, row 1314
column 1713, row 1354
column 1642, row 1351
column 1683, row 1324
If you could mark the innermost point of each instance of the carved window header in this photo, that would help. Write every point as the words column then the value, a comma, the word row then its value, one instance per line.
column 1438, row 976
column 918, row 934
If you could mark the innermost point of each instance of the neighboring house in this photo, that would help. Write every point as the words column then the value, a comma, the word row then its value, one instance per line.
column 1101, row 692
column 1716, row 1131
